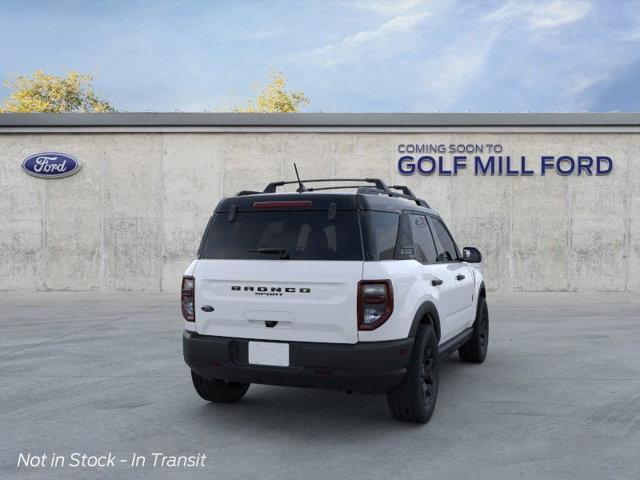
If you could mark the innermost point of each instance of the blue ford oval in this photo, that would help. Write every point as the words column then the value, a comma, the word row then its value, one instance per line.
column 51, row 165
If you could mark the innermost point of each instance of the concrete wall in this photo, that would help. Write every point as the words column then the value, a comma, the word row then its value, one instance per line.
column 132, row 218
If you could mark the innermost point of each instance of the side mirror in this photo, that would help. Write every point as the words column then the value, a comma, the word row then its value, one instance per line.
column 471, row 255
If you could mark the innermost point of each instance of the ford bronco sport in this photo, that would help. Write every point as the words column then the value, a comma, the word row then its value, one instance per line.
column 357, row 291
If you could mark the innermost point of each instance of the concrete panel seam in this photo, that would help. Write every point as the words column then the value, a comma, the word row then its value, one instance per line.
column 510, row 282
column 44, row 262
column 282, row 157
column 222, row 151
column 569, row 256
column 334, row 160
column 452, row 219
column 627, row 229
column 102, row 241
column 220, row 171
column 161, row 259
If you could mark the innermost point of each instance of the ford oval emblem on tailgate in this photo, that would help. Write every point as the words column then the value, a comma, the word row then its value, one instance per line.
column 51, row 165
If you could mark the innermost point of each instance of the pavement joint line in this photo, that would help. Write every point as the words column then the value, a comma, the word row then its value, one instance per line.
column 34, row 345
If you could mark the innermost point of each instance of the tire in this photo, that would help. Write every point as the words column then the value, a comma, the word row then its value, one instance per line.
column 475, row 349
column 415, row 400
column 219, row 391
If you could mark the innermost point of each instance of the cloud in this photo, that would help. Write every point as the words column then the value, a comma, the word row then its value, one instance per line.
column 632, row 34
column 539, row 15
column 556, row 13
column 393, row 36
column 509, row 55
column 447, row 71
column 564, row 69
column 512, row 55
column 451, row 73
column 509, row 59
column 389, row 7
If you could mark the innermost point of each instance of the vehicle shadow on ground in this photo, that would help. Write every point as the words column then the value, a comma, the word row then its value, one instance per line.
column 299, row 410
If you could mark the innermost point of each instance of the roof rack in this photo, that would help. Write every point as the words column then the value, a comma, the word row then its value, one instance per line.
column 377, row 187
column 271, row 188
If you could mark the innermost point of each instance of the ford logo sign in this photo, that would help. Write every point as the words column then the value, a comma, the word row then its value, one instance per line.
column 51, row 165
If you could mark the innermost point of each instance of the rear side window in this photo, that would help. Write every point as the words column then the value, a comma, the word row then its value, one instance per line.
column 424, row 244
column 264, row 235
column 448, row 251
column 381, row 234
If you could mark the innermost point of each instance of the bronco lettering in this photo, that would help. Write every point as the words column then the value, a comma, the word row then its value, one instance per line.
column 263, row 289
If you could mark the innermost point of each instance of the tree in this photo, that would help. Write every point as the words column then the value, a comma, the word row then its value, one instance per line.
column 274, row 98
column 42, row 92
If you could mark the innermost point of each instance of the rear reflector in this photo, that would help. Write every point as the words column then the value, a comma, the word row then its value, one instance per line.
column 284, row 204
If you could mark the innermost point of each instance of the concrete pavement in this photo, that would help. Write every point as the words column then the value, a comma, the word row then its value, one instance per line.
column 557, row 398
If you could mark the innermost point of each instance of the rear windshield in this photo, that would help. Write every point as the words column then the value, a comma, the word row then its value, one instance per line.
column 274, row 235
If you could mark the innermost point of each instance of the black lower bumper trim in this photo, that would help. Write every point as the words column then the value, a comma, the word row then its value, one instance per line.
column 371, row 367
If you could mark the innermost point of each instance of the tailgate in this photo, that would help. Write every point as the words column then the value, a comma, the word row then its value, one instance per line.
column 303, row 301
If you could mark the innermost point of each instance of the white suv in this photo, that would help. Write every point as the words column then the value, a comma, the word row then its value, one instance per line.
column 356, row 291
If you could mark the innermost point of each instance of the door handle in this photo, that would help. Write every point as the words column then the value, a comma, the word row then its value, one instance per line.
column 436, row 281
column 459, row 277
column 207, row 308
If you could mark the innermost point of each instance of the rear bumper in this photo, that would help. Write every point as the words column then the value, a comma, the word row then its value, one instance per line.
column 372, row 367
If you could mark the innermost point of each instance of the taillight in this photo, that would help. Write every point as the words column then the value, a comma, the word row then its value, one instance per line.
column 187, row 299
column 375, row 303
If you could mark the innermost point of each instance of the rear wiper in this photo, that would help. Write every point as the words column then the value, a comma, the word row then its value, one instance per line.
column 284, row 254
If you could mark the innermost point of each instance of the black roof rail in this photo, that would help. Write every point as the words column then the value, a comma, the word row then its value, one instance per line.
column 338, row 187
column 374, row 191
column 409, row 194
column 404, row 189
column 242, row 193
column 377, row 187
column 368, row 189
column 271, row 188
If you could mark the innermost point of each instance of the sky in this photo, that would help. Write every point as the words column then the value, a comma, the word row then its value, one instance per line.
column 347, row 56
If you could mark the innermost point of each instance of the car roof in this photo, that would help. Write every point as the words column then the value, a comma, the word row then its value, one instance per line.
column 321, row 201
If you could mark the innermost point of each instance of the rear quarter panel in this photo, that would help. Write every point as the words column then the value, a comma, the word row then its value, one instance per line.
column 409, row 292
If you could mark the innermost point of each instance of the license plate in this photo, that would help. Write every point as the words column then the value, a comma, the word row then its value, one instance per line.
column 269, row 353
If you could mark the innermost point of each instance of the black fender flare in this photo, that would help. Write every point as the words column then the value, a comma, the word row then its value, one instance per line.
column 427, row 308
column 482, row 293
